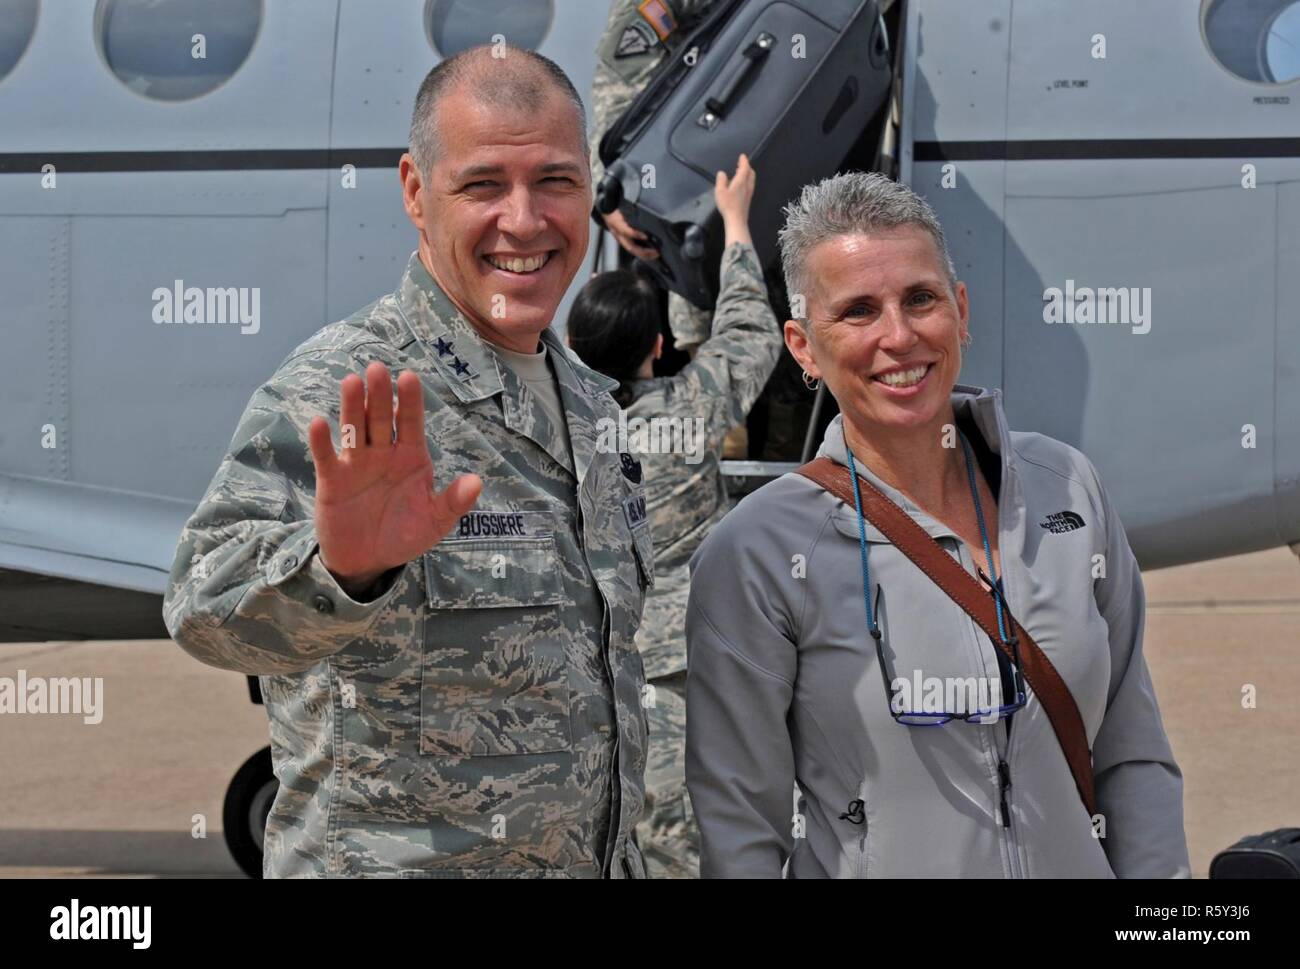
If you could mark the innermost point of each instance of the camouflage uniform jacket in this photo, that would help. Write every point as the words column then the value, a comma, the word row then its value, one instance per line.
column 482, row 715
column 713, row 392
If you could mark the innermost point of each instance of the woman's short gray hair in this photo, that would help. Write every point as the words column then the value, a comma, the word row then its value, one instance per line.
column 853, row 202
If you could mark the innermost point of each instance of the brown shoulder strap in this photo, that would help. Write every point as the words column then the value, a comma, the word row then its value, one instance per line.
column 965, row 590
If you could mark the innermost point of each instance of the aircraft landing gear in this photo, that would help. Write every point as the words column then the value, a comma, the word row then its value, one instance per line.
column 243, row 816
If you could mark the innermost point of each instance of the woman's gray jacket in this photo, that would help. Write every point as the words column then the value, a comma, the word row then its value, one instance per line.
column 784, row 687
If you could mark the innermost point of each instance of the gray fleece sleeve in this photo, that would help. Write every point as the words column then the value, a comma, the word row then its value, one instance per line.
column 1139, row 786
column 740, row 682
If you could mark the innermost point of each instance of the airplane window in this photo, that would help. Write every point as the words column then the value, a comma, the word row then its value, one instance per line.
column 173, row 50
column 1282, row 49
column 455, row 25
column 17, row 24
column 1257, row 40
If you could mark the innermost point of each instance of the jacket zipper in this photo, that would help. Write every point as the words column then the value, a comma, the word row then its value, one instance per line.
column 1004, row 784
column 1004, row 769
column 1004, row 781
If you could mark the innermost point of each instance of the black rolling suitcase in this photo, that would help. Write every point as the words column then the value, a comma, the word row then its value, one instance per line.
column 737, row 84
column 1273, row 854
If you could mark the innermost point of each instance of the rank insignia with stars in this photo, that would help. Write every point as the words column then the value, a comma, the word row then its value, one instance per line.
column 460, row 366
column 442, row 346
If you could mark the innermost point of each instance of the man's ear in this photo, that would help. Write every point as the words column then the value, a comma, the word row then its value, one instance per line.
column 411, row 185
column 800, row 346
column 963, row 310
column 659, row 346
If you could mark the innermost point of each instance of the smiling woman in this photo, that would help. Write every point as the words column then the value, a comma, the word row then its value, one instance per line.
column 808, row 597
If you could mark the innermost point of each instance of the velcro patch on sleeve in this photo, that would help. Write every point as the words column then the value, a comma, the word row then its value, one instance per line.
column 634, row 510
column 634, row 40
column 659, row 16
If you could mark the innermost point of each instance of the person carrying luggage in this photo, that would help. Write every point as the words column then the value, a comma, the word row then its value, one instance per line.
column 675, row 426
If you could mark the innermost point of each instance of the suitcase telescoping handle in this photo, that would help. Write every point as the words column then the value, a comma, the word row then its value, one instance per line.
column 723, row 100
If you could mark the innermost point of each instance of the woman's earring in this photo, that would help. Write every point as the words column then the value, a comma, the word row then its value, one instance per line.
column 812, row 383
column 965, row 344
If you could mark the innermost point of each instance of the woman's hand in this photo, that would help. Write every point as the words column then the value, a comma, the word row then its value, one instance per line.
column 733, row 197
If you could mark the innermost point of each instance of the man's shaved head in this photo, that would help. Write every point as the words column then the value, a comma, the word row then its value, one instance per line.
column 521, row 80
column 498, row 183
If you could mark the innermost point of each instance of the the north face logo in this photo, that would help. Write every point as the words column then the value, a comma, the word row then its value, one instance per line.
column 1062, row 521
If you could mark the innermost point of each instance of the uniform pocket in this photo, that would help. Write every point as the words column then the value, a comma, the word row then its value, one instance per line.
column 643, row 547
column 495, row 675
column 505, row 559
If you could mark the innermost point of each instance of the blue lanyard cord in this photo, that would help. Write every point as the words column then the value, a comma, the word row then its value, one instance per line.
column 862, row 546
column 984, row 535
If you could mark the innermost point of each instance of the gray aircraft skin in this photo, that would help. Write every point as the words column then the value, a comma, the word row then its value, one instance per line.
column 270, row 169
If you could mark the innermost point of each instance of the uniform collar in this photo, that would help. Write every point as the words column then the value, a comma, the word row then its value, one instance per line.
column 474, row 372
column 585, row 396
column 454, row 346
column 984, row 407
column 460, row 353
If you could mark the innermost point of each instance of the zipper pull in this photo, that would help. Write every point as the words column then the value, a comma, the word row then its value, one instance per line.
column 1004, row 781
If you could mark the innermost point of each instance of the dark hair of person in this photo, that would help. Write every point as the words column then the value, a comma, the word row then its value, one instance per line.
column 613, row 326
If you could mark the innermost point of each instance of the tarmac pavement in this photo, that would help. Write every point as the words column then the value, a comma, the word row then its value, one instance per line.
column 126, row 796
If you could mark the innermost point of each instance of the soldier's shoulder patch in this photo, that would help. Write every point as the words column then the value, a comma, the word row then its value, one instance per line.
column 658, row 15
column 631, row 467
column 637, row 38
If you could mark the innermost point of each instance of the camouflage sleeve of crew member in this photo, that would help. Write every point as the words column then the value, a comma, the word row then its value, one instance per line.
column 621, row 74
column 735, row 361
column 633, row 46
column 689, row 323
column 247, row 590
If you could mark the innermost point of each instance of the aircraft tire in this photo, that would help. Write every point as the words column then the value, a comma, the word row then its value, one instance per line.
column 243, row 816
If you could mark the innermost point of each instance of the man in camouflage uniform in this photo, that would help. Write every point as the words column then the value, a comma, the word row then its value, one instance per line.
column 687, row 497
column 453, row 688
column 639, row 36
